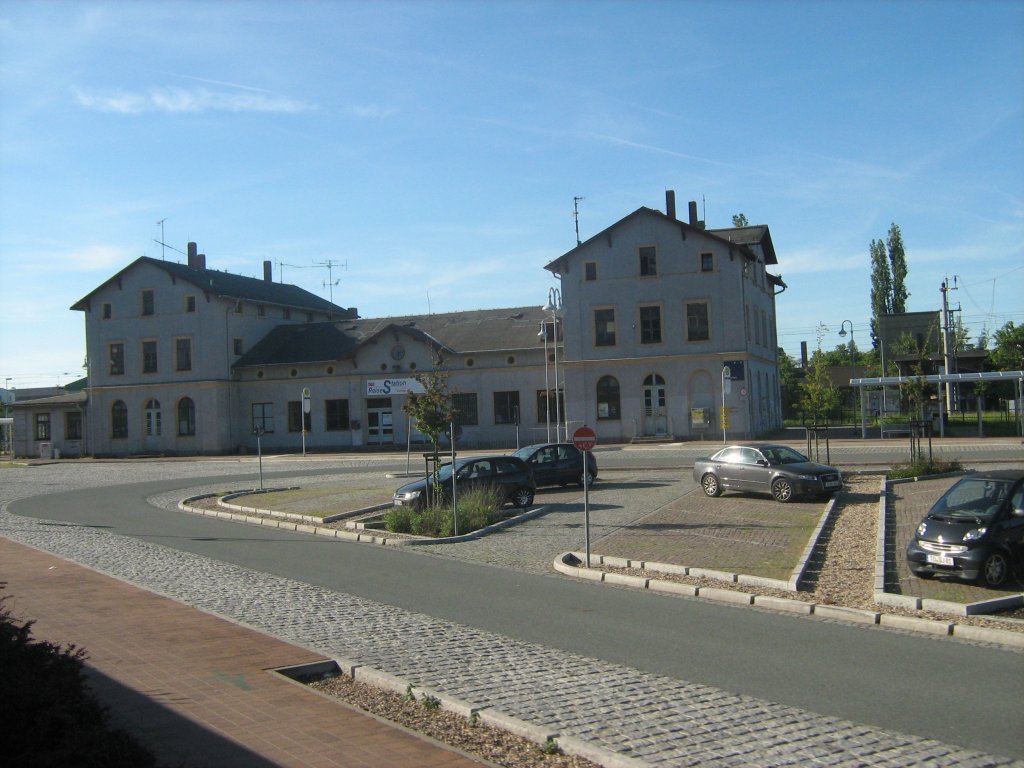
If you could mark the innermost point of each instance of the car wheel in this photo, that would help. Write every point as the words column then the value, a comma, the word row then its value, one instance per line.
column 710, row 485
column 782, row 489
column 994, row 570
column 585, row 478
column 522, row 497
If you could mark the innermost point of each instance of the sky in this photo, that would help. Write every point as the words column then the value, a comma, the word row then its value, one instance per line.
column 430, row 152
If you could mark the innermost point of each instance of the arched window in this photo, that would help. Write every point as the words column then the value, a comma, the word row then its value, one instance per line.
column 118, row 419
column 608, row 398
column 154, row 421
column 186, row 416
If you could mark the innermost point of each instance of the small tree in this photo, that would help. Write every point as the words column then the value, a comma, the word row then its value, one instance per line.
column 820, row 396
column 433, row 411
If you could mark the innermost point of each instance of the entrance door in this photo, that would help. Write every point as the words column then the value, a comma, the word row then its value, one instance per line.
column 153, row 423
column 379, row 421
column 655, row 411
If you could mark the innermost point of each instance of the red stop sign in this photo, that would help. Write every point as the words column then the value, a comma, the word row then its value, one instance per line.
column 584, row 438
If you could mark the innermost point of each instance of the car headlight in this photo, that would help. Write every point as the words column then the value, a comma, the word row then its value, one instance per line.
column 921, row 529
column 409, row 495
column 976, row 534
column 807, row 478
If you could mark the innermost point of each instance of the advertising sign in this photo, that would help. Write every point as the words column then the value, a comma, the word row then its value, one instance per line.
column 386, row 387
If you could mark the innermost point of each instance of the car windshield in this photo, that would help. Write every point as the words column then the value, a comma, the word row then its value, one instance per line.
column 973, row 498
column 782, row 454
column 445, row 472
column 524, row 453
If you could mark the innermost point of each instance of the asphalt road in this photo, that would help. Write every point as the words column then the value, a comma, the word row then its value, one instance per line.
column 936, row 688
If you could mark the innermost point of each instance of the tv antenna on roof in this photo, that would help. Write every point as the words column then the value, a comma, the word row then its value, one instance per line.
column 576, row 215
column 330, row 282
column 162, row 246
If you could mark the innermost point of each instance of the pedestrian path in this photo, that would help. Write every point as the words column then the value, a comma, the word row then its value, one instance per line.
column 194, row 688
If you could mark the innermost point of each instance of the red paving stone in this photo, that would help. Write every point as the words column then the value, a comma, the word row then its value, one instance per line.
column 195, row 688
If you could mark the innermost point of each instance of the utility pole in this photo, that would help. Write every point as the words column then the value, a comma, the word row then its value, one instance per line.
column 947, row 354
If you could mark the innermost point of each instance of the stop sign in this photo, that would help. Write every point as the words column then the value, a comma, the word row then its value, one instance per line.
column 584, row 438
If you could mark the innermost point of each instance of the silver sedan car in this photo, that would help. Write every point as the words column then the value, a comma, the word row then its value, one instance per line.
column 768, row 468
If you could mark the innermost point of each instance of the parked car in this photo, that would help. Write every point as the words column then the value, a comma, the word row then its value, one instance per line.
column 558, row 463
column 766, row 468
column 975, row 531
column 511, row 475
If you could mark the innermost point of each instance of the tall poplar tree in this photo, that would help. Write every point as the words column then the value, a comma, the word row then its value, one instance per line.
column 888, row 279
column 898, row 267
column 881, row 287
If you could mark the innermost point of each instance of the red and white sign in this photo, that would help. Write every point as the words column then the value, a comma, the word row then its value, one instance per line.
column 584, row 438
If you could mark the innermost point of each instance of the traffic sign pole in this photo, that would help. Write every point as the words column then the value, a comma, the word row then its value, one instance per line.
column 585, row 439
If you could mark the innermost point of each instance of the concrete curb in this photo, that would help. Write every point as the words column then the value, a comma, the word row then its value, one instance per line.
column 538, row 734
column 300, row 523
column 571, row 564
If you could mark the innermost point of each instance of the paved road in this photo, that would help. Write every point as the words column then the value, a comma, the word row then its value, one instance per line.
column 673, row 680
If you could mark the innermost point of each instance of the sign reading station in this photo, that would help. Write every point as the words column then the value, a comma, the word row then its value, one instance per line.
column 386, row 387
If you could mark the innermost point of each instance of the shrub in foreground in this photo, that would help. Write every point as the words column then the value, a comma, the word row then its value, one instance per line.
column 477, row 509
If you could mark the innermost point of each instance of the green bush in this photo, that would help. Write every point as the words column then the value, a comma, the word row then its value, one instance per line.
column 477, row 509
column 49, row 716
column 924, row 467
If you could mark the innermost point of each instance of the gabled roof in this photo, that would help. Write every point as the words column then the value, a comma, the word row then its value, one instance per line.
column 69, row 398
column 686, row 228
column 231, row 286
column 484, row 330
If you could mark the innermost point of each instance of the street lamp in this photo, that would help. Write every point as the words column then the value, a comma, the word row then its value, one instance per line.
column 842, row 334
column 554, row 308
column 547, row 387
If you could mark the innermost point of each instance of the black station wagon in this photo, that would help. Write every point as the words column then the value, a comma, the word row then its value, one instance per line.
column 507, row 473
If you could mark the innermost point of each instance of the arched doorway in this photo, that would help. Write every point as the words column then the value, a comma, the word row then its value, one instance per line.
column 655, row 410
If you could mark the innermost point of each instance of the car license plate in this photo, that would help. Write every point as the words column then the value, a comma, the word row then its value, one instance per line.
column 398, row 502
column 831, row 483
column 940, row 560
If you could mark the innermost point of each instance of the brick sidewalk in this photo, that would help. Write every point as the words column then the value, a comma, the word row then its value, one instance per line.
column 195, row 688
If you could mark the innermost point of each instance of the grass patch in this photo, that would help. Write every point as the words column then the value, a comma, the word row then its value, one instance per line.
column 924, row 468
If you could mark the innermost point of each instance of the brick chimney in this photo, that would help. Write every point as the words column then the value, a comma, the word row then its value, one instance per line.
column 268, row 274
column 670, row 203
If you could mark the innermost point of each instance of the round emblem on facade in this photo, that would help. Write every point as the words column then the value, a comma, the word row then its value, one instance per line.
column 397, row 352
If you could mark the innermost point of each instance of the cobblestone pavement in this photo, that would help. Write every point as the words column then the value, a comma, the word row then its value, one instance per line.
column 659, row 720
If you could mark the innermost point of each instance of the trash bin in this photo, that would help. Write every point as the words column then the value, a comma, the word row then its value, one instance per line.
column 45, row 450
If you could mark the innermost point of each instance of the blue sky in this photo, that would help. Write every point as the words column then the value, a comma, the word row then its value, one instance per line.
column 432, row 150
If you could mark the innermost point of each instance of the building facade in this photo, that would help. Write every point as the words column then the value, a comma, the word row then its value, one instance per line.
column 649, row 313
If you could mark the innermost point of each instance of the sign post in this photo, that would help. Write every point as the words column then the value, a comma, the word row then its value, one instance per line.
column 585, row 439
column 302, row 416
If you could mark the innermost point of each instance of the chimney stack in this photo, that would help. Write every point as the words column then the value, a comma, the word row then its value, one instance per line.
column 268, row 275
column 201, row 261
column 693, row 213
column 192, row 255
column 670, row 203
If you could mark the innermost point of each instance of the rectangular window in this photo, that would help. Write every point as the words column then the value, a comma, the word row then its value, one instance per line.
column 707, row 262
column 263, row 417
column 147, row 303
column 149, row 357
column 697, row 328
column 506, row 407
column 238, row 346
column 648, row 260
column 183, row 354
column 286, row 313
column 335, row 415
column 590, row 270
column 117, row 358
column 42, row 426
column 106, row 310
column 190, row 303
column 261, row 311
column 604, row 327
column 466, row 412
column 73, row 425
column 296, row 417
column 548, row 408
column 650, row 325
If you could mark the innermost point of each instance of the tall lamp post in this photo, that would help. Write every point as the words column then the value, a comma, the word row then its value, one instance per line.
column 547, row 386
column 554, row 308
column 842, row 334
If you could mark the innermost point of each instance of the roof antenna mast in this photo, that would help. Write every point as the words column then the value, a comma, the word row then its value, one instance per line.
column 331, row 282
column 162, row 241
column 576, row 215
